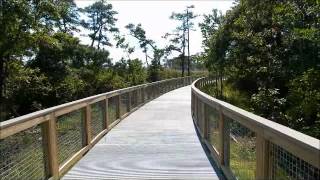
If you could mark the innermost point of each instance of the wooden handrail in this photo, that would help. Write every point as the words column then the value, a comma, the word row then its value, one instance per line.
column 300, row 145
column 32, row 119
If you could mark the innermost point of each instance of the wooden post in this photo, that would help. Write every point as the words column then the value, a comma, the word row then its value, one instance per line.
column 49, row 134
column 106, row 115
column 202, row 118
column 262, row 160
column 88, row 124
column 224, row 139
column 118, row 100
column 143, row 94
column 206, row 122
column 196, row 108
column 129, row 101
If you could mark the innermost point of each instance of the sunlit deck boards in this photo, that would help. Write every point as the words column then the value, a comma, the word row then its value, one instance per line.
column 158, row 141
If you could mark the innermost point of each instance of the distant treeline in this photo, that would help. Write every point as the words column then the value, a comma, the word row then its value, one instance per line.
column 43, row 63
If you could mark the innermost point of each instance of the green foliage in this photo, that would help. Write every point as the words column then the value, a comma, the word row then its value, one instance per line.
column 132, row 71
column 304, row 103
column 262, row 48
column 26, row 90
column 268, row 103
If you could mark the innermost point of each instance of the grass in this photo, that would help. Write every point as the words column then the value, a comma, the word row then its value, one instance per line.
column 243, row 158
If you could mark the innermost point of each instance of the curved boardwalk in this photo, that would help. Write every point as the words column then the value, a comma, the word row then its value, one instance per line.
column 158, row 141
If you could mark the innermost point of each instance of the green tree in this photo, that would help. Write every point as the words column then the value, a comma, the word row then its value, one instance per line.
column 22, row 23
column 155, row 67
column 68, row 19
column 100, row 21
column 180, row 36
column 264, row 48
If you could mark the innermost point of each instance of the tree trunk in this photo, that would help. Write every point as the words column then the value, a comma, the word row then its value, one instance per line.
column 188, row 46
column 182, row 64
column 147, row 59
column 183, row 54
column 221, row 84
column 92, row 42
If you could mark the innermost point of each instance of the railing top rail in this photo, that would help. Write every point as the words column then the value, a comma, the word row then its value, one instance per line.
column 44, row 112
column 273, row 131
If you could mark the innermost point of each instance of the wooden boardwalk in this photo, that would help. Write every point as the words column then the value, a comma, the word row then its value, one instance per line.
column 158, row 141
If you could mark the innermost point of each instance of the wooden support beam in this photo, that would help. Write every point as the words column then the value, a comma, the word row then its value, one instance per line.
column 106, row 113
column 118, row 102
column 129, row 101
column 206, row 122
column 49, row 134
column 224, row 139
column 262, row 160
column 87, row 124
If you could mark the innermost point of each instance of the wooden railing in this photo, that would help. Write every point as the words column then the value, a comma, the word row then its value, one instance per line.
column 47, row 143
column 247, row 146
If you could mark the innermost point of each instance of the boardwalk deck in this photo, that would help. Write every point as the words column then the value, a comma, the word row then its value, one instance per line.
column 158, row 141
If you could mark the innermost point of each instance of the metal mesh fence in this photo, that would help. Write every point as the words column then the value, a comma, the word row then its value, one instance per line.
column 97, row 117
column 242, row 151
column 287, row 166
column 124, row 103
column 70, row 134
column 21, row 156
column 134, row 99
column 149, row 92
column 140, row 100
column 112, row 109
column 213, row 128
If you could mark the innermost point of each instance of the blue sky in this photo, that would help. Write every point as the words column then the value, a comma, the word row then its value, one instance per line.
column 154, row 17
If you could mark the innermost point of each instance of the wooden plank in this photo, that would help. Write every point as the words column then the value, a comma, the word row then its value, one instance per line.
column 11, row 130
column 49, row 134
column 145, row 143
column 262, row 158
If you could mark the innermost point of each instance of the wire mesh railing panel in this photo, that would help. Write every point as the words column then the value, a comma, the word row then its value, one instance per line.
column 21, row 155
column 97, row 118
column 112, row 109
column 147, row 93
column 213, row 128
column 242, row 151
column 141, row 98
column 285, row 165
column 70, row 134
column 133, row 99
column 124, row 103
